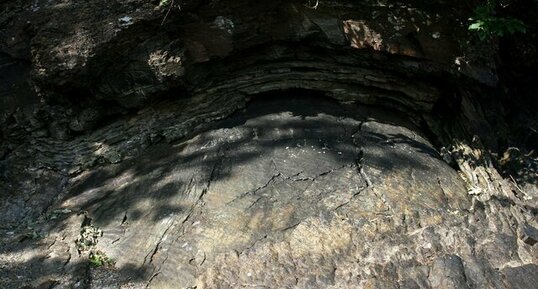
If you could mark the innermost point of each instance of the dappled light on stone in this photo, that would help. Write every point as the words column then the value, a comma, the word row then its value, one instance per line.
column 287, row 177
column 266, row 144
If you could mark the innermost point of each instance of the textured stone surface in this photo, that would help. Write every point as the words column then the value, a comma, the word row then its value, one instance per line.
column 238, row 144
column 285, row 194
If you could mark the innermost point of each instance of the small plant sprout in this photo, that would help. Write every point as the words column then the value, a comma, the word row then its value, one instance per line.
column 100, row 259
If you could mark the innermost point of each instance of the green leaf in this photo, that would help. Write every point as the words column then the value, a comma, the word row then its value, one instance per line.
column 486, row 24
column 475, row 26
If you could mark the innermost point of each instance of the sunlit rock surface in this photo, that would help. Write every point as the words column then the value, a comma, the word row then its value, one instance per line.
column 287, row 193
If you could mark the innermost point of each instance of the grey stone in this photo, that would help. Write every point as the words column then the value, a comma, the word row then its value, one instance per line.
column 529, row 234
column 447, row 272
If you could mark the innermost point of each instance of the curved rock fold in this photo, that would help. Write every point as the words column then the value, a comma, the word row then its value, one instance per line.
column 269, row 144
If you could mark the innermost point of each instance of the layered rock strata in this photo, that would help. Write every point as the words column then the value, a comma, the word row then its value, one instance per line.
column 237, row 144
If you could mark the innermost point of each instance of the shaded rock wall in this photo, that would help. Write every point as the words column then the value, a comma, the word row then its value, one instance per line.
column 119, row 52
column 113, row 58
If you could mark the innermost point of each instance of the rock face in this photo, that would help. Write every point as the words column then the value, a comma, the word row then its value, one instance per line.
column 284, row 197
column 286, row 193
column 238, row 144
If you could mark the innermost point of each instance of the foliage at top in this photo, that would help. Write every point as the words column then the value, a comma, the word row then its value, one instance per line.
column 487, row 24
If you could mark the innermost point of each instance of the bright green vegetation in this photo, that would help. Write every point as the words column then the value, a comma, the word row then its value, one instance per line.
column 487, row 24
column 99, row 259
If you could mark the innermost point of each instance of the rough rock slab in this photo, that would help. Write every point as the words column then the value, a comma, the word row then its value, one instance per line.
column 288, row 193
column 283, row 193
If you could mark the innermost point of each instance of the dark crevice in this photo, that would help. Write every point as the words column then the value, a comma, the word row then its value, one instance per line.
column 253, row 192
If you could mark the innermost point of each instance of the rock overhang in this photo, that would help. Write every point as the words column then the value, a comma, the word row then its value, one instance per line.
column 370, row 49
column 204, row 61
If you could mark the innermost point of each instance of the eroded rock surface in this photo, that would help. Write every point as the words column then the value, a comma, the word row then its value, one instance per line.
column 288, row 193
column 276, row 144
